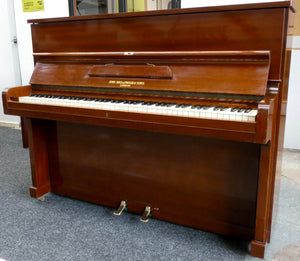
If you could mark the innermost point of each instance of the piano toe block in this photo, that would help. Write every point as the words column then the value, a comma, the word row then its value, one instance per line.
column 258, row 249
column 37, row 192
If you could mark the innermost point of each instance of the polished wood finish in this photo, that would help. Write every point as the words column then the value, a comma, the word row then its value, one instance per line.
column 205, row 72
column 257, row 249
column 39, row 159
column 286, row 78
column 24, row 132
column 147, row 32
column 148, row 71
column 164, row 171
column 215, row 175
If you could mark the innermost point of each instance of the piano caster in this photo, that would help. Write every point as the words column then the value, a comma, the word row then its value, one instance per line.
column 42, row 198
column 121, row 208
column 146, row 214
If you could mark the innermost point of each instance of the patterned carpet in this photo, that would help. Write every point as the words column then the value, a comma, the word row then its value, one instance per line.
column 65, row 229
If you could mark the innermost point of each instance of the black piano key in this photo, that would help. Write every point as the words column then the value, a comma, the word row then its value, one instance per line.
column 217, row 108
column 196, row 107
column 223, row 108
column 170, row 104
column 162, row 104
column 131, row 102
column 234, row 109
column 182, row 105
column 151, row 103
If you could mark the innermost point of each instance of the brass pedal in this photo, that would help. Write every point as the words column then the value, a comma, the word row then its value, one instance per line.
column 122, row 206
column 146, row 214
column 42, row 198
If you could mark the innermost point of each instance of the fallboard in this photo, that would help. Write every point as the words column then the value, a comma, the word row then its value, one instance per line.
column 220, row 72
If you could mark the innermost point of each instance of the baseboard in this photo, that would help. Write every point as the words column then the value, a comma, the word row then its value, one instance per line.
column 291, row 150
column 13, row 125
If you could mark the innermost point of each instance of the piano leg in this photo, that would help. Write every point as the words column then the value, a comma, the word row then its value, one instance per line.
column 258, row 249
column 24, row 133
column 38, row 149
column 264, row 197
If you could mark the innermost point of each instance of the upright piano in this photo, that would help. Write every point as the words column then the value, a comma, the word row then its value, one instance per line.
column 172, row 114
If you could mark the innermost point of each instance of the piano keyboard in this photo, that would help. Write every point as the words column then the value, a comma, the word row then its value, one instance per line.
column 160, row 108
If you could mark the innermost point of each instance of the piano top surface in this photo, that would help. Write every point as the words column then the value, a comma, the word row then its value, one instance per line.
column 275, row 4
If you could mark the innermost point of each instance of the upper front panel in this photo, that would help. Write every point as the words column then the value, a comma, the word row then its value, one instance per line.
column 240, row 73
column 255, row 29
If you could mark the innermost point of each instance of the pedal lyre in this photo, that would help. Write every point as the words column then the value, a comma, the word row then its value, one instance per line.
column 122, row 206
column 146, row 214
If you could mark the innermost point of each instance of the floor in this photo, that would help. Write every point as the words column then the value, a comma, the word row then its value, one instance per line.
column 285, row 238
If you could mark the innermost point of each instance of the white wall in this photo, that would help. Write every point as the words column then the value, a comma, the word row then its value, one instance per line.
column 53, row 8
column 200, row 3
column 9, row 63
column 292, row 126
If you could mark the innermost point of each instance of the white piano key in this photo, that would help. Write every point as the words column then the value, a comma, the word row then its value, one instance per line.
column 154, row 108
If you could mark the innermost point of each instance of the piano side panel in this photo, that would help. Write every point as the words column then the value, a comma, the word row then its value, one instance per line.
column 212, row 31
column 205, row 183
column 277, row 122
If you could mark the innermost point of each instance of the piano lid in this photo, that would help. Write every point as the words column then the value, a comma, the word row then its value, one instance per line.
column 238, row 73
column 239, row 6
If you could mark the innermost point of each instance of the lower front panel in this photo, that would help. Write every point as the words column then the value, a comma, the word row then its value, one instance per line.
column 205, row 183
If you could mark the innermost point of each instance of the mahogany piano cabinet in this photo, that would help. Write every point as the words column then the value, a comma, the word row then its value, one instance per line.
column 172, row 113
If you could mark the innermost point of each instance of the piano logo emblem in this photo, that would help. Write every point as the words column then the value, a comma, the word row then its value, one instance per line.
column 126, row 83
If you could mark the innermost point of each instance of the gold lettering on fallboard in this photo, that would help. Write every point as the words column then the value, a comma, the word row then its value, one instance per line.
column 126, row 83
